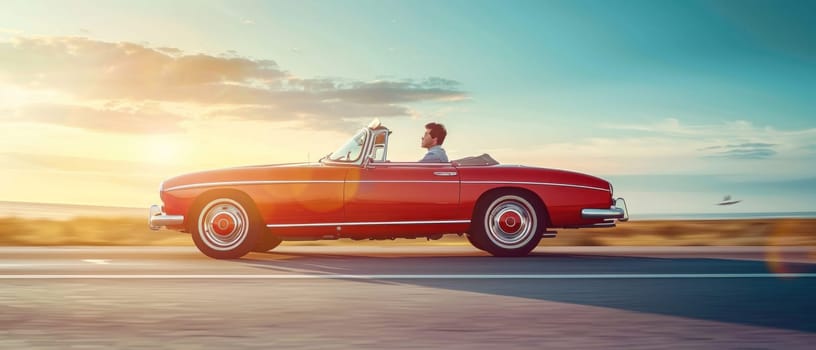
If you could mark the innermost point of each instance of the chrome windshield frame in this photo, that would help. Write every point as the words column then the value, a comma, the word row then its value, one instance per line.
column 366, row 149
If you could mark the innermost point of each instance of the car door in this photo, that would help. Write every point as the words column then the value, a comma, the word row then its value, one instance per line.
column 385, row 192
column 302, row 196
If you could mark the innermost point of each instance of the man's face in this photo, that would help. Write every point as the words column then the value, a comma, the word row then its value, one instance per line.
column 427, row 140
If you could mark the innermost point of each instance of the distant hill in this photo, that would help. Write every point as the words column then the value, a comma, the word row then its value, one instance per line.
column 65, row 211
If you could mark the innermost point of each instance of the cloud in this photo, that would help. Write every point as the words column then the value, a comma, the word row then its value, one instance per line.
column 675, row 128
column 673, row 147
column 140, row 119
column 666, row 126
column 755, row 144
column 240, row 88
column 304, row 108
column 396, row 92
column 734, row 139
column 745, row 153
column 750, row 150
column 97, row 69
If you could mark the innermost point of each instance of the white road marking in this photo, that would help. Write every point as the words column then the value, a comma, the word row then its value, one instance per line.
column 97, row 261
column 74, row 264
column 40, row 264
column 418, row 276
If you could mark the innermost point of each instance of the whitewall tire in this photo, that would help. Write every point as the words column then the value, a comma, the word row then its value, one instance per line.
column 226, row 227
column 507, row 223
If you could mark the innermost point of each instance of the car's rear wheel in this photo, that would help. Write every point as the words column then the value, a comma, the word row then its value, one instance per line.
column 473, row 241
column 266, row 243
column 508, row 223
column 226, row 227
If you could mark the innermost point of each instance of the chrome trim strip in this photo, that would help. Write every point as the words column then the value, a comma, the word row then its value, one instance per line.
column 445, row 173
column 418, row 164
column 259, row 182
column 371, row 223
column 406, row 181
column 278, row 182
column 534, row 183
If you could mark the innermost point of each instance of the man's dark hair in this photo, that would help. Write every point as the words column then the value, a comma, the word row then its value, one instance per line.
column 438, row 132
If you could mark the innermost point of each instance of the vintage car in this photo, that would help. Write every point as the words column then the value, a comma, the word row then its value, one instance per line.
column 356, row 192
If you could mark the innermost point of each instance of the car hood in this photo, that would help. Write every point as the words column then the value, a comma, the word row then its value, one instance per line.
column 244, row 173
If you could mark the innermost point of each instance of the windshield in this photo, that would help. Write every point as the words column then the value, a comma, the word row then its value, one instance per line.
column 351, row 150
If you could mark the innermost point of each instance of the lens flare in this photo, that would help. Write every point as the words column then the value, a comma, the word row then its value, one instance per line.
column 783, row 233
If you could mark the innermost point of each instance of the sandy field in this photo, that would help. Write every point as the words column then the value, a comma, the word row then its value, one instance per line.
column 126, row 231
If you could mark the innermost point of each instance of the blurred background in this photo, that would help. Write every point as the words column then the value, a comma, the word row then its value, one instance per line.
column 678, row 104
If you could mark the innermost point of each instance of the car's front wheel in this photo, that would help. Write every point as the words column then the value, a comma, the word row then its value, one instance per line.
column 507, row 223
column 226, row 227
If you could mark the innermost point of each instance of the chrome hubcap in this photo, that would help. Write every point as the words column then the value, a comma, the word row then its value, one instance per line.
column 223, row 224
column 510, row 222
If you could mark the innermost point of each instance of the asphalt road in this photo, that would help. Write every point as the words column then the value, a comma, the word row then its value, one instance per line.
column 395, row 296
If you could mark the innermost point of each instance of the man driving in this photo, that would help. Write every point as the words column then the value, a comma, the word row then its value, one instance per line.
column 432, row 140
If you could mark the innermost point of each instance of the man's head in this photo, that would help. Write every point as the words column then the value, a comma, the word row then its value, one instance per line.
column 434, row 135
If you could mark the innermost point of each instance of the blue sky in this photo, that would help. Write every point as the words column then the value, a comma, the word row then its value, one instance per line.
column 677, row 102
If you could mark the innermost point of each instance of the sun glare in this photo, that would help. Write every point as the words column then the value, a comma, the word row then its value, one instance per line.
column 164, row 149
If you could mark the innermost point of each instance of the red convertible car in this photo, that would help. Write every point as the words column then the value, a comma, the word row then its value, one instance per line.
column 355, row 192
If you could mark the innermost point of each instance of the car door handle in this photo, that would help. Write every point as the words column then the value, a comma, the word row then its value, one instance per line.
column 445, row 173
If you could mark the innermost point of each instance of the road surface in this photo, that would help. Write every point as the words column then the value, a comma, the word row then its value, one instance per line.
column 428, row 297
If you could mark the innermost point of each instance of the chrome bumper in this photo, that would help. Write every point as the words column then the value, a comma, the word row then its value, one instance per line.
column 157, row 219
column 617, row 211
